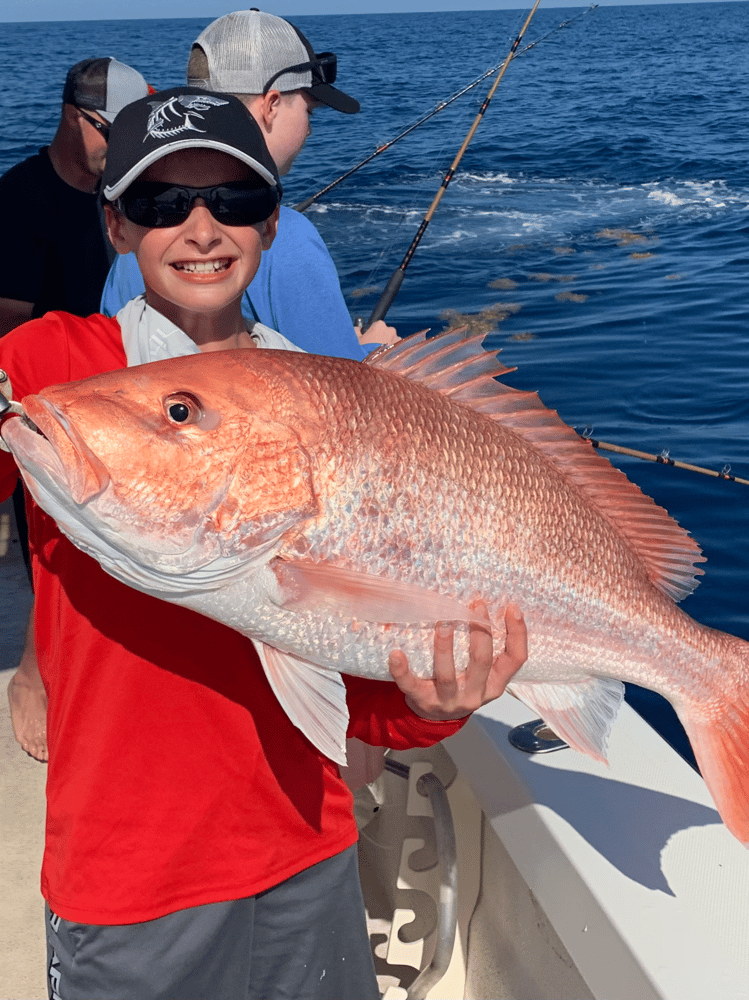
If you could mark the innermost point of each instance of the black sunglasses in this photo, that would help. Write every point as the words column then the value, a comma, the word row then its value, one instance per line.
column 324, row 69
column 99, row 126
column 158, row 205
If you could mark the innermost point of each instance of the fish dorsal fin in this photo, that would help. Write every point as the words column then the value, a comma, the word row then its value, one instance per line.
column 454, row 363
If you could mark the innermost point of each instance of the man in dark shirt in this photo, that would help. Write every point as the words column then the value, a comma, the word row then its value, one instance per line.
column 59, row 258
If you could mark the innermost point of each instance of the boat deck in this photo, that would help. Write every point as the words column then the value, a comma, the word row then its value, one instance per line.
column 22, row 946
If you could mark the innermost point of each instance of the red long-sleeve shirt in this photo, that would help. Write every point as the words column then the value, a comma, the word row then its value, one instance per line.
column 175, row 778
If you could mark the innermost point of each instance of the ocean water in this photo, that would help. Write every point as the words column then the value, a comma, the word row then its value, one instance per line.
column 598, row 225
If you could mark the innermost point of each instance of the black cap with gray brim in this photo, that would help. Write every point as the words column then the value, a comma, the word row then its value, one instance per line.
column 179, row 119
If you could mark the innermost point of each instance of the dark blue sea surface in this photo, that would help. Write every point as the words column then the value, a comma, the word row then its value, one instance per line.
column 602, row 209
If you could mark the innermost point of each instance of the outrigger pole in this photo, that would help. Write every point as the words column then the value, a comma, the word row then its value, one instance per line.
column 302, row 206
column 396, row 280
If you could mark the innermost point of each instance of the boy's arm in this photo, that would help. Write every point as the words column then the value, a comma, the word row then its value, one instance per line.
column 380, row 717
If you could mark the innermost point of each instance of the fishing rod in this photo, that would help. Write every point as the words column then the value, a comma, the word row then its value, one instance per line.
column 396, row 280
column 663, row 459
column 302, row 206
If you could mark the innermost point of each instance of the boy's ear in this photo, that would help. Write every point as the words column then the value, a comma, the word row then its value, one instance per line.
column 270, row 229
column 115, row 229
column 267, row 108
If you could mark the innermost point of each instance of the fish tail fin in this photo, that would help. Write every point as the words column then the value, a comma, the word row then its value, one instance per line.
column 719, row 734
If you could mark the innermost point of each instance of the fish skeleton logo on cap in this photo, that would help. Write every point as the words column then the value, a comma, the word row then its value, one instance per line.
column 167, row 119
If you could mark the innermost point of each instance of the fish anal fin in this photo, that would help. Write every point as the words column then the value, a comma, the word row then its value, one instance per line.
column 308, row 586
column 455, row 364
column 580, row 714
column 313, row 698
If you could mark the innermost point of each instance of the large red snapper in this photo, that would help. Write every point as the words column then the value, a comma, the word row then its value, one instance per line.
column 333, row 511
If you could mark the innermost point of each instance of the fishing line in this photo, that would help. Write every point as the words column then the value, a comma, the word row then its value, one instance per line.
column 49, row 127
column 302, row 206
column 403, row 214
column 564, row 24
column 662, row 459
column 396, row 280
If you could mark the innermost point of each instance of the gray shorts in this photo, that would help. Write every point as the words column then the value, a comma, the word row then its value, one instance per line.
column 305, row 939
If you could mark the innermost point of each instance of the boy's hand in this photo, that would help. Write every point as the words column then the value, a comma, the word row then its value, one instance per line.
column 378, row 333
column 451, row 694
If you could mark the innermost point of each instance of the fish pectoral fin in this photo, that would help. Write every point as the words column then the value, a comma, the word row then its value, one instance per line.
column 361, row 596
column 580, row 714
column 313, row 698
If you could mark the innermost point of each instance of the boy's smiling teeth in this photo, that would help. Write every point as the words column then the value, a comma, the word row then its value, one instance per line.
column 203, row 266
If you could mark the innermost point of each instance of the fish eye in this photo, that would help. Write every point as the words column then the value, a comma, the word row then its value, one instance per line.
column 183, row 408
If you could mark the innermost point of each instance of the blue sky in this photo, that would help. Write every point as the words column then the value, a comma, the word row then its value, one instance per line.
column 69, row 10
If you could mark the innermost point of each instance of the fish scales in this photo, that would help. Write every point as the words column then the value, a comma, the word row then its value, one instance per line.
column 474, row 479
column 334, row 511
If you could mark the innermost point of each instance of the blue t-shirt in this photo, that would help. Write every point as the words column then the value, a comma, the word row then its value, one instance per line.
column 295, row 291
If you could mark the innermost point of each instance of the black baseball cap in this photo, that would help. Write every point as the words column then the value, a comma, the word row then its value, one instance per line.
column 183, row 118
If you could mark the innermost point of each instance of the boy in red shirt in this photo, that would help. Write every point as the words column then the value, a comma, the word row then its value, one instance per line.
column 197, row 845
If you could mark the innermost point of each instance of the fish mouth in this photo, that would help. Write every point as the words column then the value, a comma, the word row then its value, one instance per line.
column 55, row 451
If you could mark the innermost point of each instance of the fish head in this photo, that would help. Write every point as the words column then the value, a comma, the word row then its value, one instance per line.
column 172, row 472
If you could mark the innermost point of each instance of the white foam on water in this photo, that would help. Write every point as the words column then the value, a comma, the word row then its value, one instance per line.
column 501, row 209
column 666, row 197
column 487, row 178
